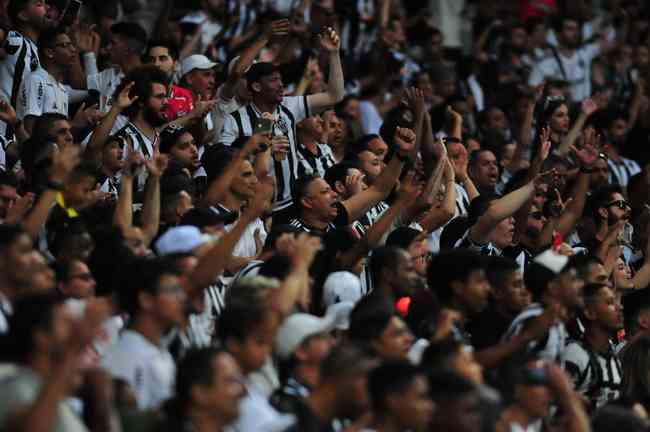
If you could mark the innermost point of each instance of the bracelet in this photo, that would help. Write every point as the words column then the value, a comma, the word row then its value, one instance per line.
column 55, row 185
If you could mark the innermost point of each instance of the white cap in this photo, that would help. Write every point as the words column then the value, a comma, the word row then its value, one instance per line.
column 181, row 239
column 196, row 61
column 300, row 326
column 552, row 260
column 341, row 286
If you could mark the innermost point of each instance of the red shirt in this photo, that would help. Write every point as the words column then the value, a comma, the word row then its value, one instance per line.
column 179, row 103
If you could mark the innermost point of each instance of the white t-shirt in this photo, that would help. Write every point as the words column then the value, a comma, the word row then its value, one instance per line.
column 40, row 93
column 148, row 369
column 20, row 62
column 221, row 111
column 575, row 69
column 371, row 121
column 257, row 414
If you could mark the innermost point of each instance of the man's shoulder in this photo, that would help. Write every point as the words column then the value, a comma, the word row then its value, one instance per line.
column 181, row 91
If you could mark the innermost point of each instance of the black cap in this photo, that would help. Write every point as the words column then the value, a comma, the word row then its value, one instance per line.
column 260, row 70
column 204, row 217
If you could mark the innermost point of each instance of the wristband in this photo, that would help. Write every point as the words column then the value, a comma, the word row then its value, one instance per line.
column 55, row 185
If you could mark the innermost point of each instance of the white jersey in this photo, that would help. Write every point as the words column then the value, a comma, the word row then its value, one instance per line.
column 41, row 93
column 575, row 69
column 105, row 82
column 21, row 61
column 147, row 368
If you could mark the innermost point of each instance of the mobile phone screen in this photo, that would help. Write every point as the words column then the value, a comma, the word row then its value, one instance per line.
column 263, row 126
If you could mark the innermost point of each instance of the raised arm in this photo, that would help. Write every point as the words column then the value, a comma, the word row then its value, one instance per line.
column 331, row 42
column 500, row 209
column 359, row 204
column 123, row 216
column 151, row 207
column 103, row 129
column 213, row 263
column 276, row 28
column 588, row 107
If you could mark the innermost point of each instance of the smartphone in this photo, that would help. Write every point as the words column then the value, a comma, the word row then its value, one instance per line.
column 263, row 126
column 71, row 12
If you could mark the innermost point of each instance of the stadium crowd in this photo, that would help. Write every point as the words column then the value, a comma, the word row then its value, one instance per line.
column 324, row 215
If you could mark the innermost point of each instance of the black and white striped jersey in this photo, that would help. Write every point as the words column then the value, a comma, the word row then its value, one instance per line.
column 242, row 122
column 465, row 242
column 551, row 347
column 20, row 61
column 596, row 375
column 314, row 164
column 621, row 172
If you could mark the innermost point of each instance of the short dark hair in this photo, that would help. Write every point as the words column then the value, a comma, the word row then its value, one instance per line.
column 135, row 35
column 171, row 48
column 215, row 160
column 382, row 258
column 240, row 319
column 369, row 318
column 449, row 386
column 600, row 198
column 299, row 189
column 339, row 172
column 391, row 377
column 144, row 276
column 591, row 290
column 498, row 269
column 450, row 266
column 195, row 368
column 143, row 78
column 30, row 313
column 438, row 355
column 359, row 146
column 402, row 237
column 169, row 136
column 258, row 71
column 47, row 39
column 343, row 360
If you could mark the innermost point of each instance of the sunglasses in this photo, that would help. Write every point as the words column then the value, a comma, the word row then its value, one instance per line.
column 622, row 204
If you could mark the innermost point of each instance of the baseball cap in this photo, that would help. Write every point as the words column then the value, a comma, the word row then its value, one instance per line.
column 300, row 326
column 259, row 70
column 181, row 239
column 196, row 61
column 341, row 286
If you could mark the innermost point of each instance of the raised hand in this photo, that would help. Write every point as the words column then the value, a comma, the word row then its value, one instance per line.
column 123, row 100
column 329, row 40
column 63, row 162
column 414, row 98
column 88, row 40
column 202, row 107
column 305, row 248
column 587, row 155
column 589, row 106
column 157, row 165
column 277, row 28
column 453, row 114
column 545, row 139
column 87, row 116
column 405, row 141
column 7, row 113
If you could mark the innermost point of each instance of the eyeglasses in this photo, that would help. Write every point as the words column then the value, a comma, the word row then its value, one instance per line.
column 622, row 204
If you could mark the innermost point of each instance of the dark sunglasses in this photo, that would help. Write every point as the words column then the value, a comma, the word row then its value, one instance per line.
column 622, row 204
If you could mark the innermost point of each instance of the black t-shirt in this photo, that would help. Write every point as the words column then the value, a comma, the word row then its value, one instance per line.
column 488, row 328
